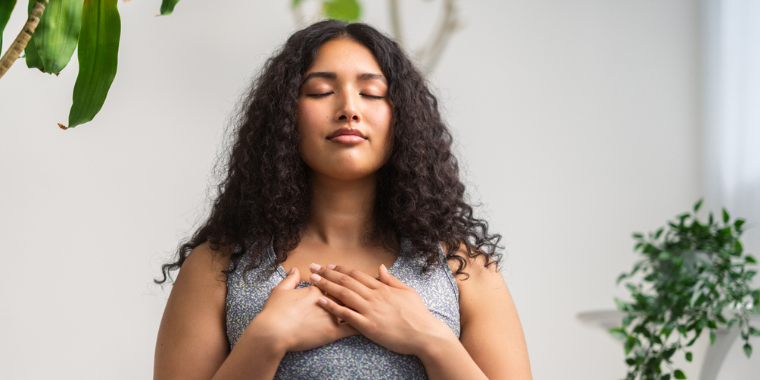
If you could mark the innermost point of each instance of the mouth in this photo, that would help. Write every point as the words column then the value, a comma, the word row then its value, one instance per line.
column 348, row 139
column 350, row 132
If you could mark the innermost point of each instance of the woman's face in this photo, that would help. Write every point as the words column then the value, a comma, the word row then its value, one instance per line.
column 344, row 114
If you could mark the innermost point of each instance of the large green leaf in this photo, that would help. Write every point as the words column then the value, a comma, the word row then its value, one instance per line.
column 345, row 10
column 98, row 56
column 57, row 34
column 167, row 6
column 30, row 52
column 6, row 8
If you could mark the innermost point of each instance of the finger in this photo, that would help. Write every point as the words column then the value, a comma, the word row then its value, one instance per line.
column 358, row 275
column 345, row 280
column 351, row 317
column 290, row 281
column 388, row 279
column 339, row 290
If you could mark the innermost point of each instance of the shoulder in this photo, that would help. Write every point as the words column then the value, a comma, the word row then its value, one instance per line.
column 483, row 280
column 206, row 264
column 191, row 338
column 491, row 329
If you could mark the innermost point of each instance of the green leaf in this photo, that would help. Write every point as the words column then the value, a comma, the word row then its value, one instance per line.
column 688, row 356
column 98, row 57
column 629, row 344
column 167, row 6
column 6, row 8
column 696, row 206
column 30, row 52
column 344, row 10
column 622, row 306
column 659, row 232
column 618, row 332
column 295, row 3
column 738, row 248
column 754, row 331
column 678, row 374
column 725, row 216
column 747, row 350
column 638, row 235
column 712, row 337
column 57, row 34
column 750, row 259
column 738, row 223
column 620, row 278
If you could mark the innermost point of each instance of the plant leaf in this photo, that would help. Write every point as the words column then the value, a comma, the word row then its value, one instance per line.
column 31, row 57
column 725, row 216
column 688, row 356
column 699, row 203
column 344, row 10
column 295, row 3
column 750, row 259
column 6, row 8
column 57, row 34
column 747, row 350
column 678, row 374
column 167, row 7
column 98, row 57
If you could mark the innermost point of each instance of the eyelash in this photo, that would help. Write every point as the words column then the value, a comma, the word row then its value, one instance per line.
column 330, row 93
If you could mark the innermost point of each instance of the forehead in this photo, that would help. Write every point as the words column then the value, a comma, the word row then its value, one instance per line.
column 344, row 56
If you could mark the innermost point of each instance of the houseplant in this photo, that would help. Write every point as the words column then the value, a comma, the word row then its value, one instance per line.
column 693, row 277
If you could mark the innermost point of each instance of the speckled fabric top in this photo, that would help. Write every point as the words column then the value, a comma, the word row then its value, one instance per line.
column 353, row 357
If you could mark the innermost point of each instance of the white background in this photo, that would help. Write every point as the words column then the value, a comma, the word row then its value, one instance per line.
column 576, row 122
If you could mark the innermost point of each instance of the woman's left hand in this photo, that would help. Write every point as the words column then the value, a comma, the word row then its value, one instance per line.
column 388, row 312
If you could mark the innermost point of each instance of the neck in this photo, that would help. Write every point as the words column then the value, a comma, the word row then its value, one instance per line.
column 341, row 211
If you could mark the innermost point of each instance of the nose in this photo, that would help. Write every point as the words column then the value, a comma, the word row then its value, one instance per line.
column 347, row 108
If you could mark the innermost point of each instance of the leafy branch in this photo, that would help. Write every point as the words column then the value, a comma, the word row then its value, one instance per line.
column 695, row 278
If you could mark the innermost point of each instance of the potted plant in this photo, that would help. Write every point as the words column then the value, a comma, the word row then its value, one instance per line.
column 693, row 277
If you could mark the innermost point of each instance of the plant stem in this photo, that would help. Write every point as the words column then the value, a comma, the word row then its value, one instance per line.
column 428, row 56
column 19, row 44
column 398, row 33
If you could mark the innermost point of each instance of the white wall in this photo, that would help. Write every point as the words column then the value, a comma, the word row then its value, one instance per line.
column 576, row 122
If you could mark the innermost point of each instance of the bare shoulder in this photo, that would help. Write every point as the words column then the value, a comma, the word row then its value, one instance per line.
column 192, row 342
column 203, row 263
column 491, row 329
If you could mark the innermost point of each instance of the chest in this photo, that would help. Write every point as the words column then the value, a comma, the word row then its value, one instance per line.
column 366, row 260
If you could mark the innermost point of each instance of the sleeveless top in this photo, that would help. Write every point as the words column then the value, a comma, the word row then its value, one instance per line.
column 356, row 356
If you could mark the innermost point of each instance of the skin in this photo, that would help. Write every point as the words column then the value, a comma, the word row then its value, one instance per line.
column 346, row 299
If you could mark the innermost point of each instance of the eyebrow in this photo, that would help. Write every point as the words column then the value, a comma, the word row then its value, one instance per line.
column 331, row 75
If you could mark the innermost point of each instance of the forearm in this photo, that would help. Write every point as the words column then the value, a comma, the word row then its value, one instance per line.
column 254, row 357
column 445, row 358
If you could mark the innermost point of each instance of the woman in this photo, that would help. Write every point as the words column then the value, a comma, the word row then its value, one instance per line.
column 338, row 244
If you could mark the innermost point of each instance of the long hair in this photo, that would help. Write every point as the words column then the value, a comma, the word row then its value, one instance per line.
column 265, row 194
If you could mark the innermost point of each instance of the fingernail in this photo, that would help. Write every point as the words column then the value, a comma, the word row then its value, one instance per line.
column 314, row 267
column 315, row 278
column 384, row 268
column 292, row 270
column 331, row 266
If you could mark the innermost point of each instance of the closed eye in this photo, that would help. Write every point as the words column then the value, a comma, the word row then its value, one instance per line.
column 372, row 96
column 318, row 95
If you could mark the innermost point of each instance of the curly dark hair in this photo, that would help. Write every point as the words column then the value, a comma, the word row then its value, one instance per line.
column 265, row 194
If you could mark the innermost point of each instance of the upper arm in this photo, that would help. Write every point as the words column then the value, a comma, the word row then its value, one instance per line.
column 192, row 341
column 491, row 331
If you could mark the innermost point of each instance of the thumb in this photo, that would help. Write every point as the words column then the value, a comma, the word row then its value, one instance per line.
column 291, row 280
column 388, row 279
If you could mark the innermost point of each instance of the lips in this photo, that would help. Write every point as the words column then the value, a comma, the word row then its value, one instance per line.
column 347, row 131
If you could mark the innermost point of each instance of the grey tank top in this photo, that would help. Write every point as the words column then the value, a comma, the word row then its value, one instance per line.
column 356, row 356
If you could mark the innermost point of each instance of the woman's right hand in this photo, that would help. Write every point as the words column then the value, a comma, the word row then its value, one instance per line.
column 292, row 320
